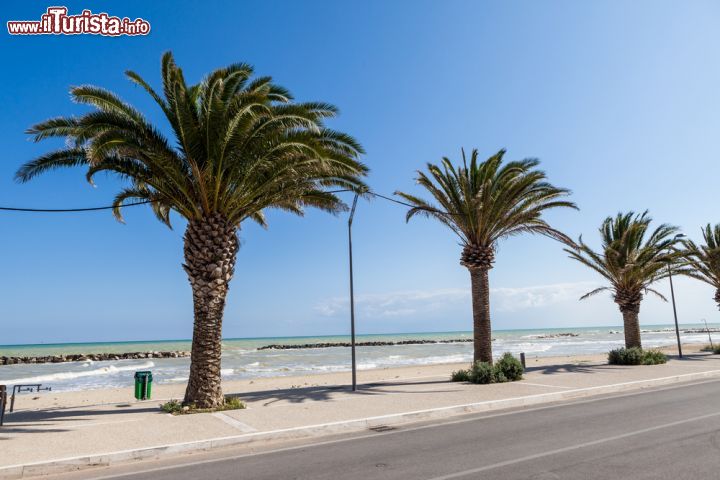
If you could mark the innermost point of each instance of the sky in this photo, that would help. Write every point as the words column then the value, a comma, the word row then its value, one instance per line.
column 619, row 101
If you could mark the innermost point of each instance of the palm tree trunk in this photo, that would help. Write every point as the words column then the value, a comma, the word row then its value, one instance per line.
column 482, row 334
column 632, row 326
column 211, row 247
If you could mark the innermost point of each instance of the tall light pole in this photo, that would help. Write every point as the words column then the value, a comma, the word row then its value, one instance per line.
column 352, row 295
column 672, row 295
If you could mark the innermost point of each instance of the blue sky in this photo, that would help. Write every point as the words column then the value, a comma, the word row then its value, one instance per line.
column 618, row 99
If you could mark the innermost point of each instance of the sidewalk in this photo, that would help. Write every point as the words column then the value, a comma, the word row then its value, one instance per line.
column 116, row 432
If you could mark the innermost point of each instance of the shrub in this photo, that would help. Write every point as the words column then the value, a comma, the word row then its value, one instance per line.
column 175, row 407
column 498, row 375
column 481, row 372
column 636, row 356
column 654, row 357
column 233, row 403
column 509, row 368
column 460, row 376
column 714, row 349
column 625, row 356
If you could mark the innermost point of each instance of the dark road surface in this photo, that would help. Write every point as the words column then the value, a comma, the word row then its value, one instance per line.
column 671, row 433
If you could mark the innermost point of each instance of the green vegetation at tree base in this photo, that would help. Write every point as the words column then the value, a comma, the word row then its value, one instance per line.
column 636, row 356
column 507, row 369
column 176, row 407
column 712, row 348
column 460, row 376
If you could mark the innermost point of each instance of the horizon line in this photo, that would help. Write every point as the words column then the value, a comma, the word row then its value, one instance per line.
column 187, row 340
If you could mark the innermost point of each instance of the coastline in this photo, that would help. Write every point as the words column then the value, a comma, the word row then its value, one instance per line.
column 336, row 380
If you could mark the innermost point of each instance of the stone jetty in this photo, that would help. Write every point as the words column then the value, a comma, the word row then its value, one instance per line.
column 557, row 335
column 94, row 357
column 360, row 344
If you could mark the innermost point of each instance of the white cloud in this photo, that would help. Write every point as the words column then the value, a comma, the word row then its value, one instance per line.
column 514, row 299
column 393, row 304
column 408, row 303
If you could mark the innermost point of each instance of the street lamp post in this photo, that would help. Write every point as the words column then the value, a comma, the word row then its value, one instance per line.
column 672, row 295
column 352, row 295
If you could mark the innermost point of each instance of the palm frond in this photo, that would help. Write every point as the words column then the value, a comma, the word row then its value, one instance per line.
column 241, row 146
column 485, row 202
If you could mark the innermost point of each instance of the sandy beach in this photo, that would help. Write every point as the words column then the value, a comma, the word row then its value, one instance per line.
column 162, row 392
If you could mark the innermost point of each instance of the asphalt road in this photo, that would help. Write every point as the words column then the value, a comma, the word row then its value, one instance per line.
column 670, row 433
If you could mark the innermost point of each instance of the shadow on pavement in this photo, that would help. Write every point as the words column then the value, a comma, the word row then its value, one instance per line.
column 322, row 393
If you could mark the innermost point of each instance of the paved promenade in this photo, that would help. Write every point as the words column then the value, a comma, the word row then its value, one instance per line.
column 41, row 438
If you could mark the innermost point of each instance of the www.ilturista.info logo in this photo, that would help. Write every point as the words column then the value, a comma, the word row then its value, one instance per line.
column 57, row 22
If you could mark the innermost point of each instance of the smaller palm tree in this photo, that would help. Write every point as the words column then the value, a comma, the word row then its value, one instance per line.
column 631, row 262
column 703, row 261
column 484, row 202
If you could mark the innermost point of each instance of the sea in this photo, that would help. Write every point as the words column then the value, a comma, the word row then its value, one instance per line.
column 243, row 360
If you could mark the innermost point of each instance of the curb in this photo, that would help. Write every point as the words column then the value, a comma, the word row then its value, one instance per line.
column 64, row 465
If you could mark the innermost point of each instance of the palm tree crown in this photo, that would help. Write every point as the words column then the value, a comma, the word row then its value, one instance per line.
column 704, row 260
column 630, row 261
column 242, row 146
column 484, row 202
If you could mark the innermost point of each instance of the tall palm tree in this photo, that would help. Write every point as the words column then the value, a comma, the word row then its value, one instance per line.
column 483, row 203
column 239, row 145
column 703, row 261
column 630, row 261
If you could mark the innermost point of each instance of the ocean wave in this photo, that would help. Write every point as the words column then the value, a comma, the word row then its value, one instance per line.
column 366, row 366
column 109, row 370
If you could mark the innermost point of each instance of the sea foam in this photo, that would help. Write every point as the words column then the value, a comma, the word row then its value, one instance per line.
column 109, row 370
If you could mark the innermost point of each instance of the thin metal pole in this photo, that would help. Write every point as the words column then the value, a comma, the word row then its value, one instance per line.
column 677, row 328
column 352, row 295
column 3, row 403
column 708, row 332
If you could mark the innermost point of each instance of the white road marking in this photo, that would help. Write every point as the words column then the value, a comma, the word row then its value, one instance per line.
column 545, row 385
column 243, row 427
column 102, row 423
column 573, row 447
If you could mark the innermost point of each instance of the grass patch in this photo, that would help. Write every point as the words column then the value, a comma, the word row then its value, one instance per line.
column 636, row 356
column 175, row 407
column 506, row 369
column 715, row 348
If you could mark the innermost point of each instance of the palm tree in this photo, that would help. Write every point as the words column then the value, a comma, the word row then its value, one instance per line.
column 704, row 260
column 240, row 146
column 483, row 203
column 630, row 262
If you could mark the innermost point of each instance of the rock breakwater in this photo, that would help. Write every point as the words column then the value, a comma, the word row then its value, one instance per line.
column 93, row 357
column 360, row 344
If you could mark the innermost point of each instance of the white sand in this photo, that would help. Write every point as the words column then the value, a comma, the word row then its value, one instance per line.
column 176, row 391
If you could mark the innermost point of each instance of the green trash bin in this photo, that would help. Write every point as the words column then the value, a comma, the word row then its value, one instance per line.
column 143, row 385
